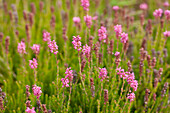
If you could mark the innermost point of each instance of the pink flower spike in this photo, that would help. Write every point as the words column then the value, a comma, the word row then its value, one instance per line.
column 69, row 74
column 65, row 82
column 95, row 17
column 37, row 91
column 33, row 63
column 167, row 33
column 143, row 6
column 102, row 34
column 167, row 14
column 102, row 73
column 88, row 21
column 46, row 36
column 118, row 30
column 115, row 8
column 28, row 110
column 158, row 13
column 77, row 43
column 124, row 38
column 134, row 85
column 166, row 4
column 131, row 96
column 53, row 47
column 21, row 48
column 76, row 20
column 85, row 4
column 86, row 50
column 36, row 48
column 117, row 54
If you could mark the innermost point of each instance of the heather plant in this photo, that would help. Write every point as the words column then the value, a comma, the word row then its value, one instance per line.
column 84, row 56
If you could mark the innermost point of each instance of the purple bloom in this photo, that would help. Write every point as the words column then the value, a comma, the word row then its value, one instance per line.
column 158, row 13
column 167, row 33
column 102, row 34
column 77, row 43
column 131, row 96
column 33, row 63
column 143, row 6
column 69, row 74
column 21, row 48
column 36, row 48
column 85, row 4
column 118, row 30
column 167, row 14
column 76, row 20
column 46, row 36
column 102, row 73
column 28, row 110
column 65, row 82
column 53, row 47
column 88, row 21
column 115, row 8
column 37, row 91
column 124, row 38
column 86, row 50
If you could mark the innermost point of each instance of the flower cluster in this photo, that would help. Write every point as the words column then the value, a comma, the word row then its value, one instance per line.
column 158, row 13
column 86, row 50
column 131, row 81
column 77, row 43
column 88, row 21
column 76, row 20
column 37, row 91
column 143, row 6
column 167, row 14
column 124, row 38
column 36, row 48
column 118, row 30
column 21, row 48
column 131, row 96
column 102, row 34
column 28, row 110
column 69, row 74
column 53, row 47
column 115, row 8
column 167, row 33
column 102, row 73
column 33, row 63
column 68, row 78
column 85, row 4
column 46, row 36
column 166, row 4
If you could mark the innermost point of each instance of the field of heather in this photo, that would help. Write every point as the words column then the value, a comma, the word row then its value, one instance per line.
column 84, row 56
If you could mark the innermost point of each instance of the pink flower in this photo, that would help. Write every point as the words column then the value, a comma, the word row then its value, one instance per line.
column 36, row 48
column 166, row 4
column 115, row 8
column 76, row 20
column 86, row 50
column 130, row 78
column 69, row 74
column 102, row 34
column 167, row 14
column 95, row 17
column 21, row 48
column 37, row 91
column 33, row 63
column 143, row 6
column 88, row 21
column 102, row 73
column 65, row 82
column 158, row 13
column 117, row 54
column 134, row 85
column 85, row 4
column 77, row 43
column 46, row 36
column 167, row 33
column 131, row 96
column 124, row 38
column 118, row 30
column 28, row 110
column 53, row 47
